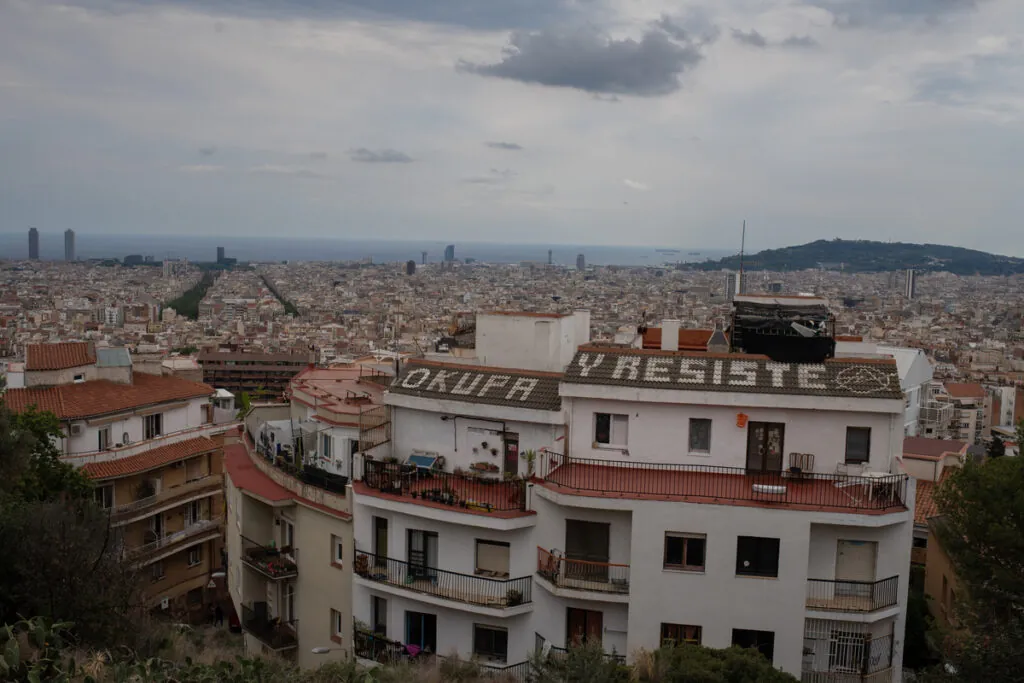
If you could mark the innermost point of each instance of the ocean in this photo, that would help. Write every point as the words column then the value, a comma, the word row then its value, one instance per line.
column 204, row 248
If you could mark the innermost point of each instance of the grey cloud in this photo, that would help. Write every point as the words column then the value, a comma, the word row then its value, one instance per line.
column 379, row 156
column 751, row 38
column 493, row 177
column 507, row 14
column 286, row 171
column 207, row 151
column 800, row 42
column 981, row 82
column 593, row 62
column 880, row 13
column 694, row 24
column 318, row 156
column 504, row 145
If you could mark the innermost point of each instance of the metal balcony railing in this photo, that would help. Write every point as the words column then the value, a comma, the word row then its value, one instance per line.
column 272, row 632
column 461, row 491
column 210, row 483
column 272, row 562
column 196, row 528
column 582, row 575
column 623, row 479
column 375, row 647
column 472, row 590
column 852, row 596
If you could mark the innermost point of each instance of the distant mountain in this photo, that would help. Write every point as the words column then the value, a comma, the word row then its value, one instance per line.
column 863, row 256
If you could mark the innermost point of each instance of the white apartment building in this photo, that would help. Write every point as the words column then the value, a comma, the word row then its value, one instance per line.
column 668, row 495
column 915, row 372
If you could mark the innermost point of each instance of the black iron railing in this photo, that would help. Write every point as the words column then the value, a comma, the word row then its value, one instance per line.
column 272, row 632
column 712, row 483
column 460, row 490
column 274, row 562
column 856, row 661
column 512, row 672
column 473, row 590
column 375, row 647
column 314, row 476
column 852, row 596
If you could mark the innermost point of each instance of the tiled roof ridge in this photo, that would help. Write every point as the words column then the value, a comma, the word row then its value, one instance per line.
column 482, row 368
column 149, row 460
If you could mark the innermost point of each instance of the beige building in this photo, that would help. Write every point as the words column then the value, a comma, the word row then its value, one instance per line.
column 289, row 545
column 941, row 587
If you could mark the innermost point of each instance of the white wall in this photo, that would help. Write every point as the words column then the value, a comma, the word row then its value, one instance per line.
column 422, row 430
column 660, row 433
column 530, row 342
column 174, row 420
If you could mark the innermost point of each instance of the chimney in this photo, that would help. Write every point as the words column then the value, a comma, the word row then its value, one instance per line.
column 669, row 335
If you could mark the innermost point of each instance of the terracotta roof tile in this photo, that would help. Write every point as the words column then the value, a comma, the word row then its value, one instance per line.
column 477, row 384
column 59, row 356
column 965, row 390
column 689, row 340
column 101, row 397
column 931, row 448
column 246, row 476
column 149, row 460
column 925, row 506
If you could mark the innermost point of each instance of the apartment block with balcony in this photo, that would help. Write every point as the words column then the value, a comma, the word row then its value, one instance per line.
column 256, row 373
column 152, row 445
column 289, row 547
column 721, row 498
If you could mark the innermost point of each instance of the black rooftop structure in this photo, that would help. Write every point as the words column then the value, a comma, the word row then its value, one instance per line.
column 787, row 329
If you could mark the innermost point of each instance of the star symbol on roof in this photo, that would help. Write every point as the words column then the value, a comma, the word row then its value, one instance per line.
column 862, row 380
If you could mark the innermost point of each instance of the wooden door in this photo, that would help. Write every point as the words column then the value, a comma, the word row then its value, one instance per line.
column 583, row 626
column 765, row 443
column 380, row 539
column 511, row 454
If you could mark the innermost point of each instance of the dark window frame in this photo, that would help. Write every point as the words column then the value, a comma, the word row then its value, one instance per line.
column 687, row 552
column 674, row 634
column 491, row 645
column 858, row 433
column 759, row 640
column 691, row 433
column 758, row 551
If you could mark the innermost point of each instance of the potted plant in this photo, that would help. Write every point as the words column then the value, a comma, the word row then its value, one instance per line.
column 483, row 445
column 362, row 565
column 513, row 597
column 531, row 461
column 494, row 452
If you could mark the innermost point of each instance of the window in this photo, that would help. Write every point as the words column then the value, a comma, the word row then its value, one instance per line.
column 288, row 533
column 612, row 430
column 104, row 496
column 336, row 624
column 152, row 426
column 492, row 559
column 337, row 550
column 157, row 570
column 103, row 438
column 490, row 642
column 920, row 542
column 289, row 602
column 79, row 378
column 325, row 445
column 195, row 596
column 684, row 551
column 763, row 641
column 195, row 556
column 700, row 435
column 858, row 444
column 756, row 556
column 379, row 615
column 193, row 512
column 675, row 634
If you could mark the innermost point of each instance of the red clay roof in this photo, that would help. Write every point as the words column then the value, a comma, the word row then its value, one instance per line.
column 59, row 356
column 965, row 390
column 925, row 506
column 246, row 476
column 149, row 460
column 922, row 447
column 101, row 397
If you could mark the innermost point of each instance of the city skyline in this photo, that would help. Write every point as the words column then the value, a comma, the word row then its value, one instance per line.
column 675, row 122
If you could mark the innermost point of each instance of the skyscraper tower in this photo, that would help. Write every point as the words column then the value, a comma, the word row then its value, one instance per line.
column 220, row 254
column 449, row 253
column 423, row 258
column 730, row 286
column 910, row 290
column 549, row 257
column 33, row 244
column 69, row 245
column 581, row 262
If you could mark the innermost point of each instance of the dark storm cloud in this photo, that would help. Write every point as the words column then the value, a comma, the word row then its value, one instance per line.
column 751, row 38
column 511, row 146
column 863, row 13
column 482, row 14
column 593, row 62
column 379, row 156
column 800, row 41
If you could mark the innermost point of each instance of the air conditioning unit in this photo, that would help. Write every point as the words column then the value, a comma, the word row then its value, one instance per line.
column 76, row 430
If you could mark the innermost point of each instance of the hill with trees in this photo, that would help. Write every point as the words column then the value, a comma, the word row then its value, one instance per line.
column 865, row 256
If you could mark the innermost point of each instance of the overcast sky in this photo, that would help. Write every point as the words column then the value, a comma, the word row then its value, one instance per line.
column 658, row 122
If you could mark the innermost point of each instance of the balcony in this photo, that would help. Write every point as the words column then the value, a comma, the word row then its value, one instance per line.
column 369, row 645
column 722, row 485
column 465, row 588
column 852, row 596
column 275, row 634
column 120, row 452
column 882, row 676
column 305, row 474
column 148, row 505
column 276, row 564
column 601, row 577
column 196, row 531
column 435, row 487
